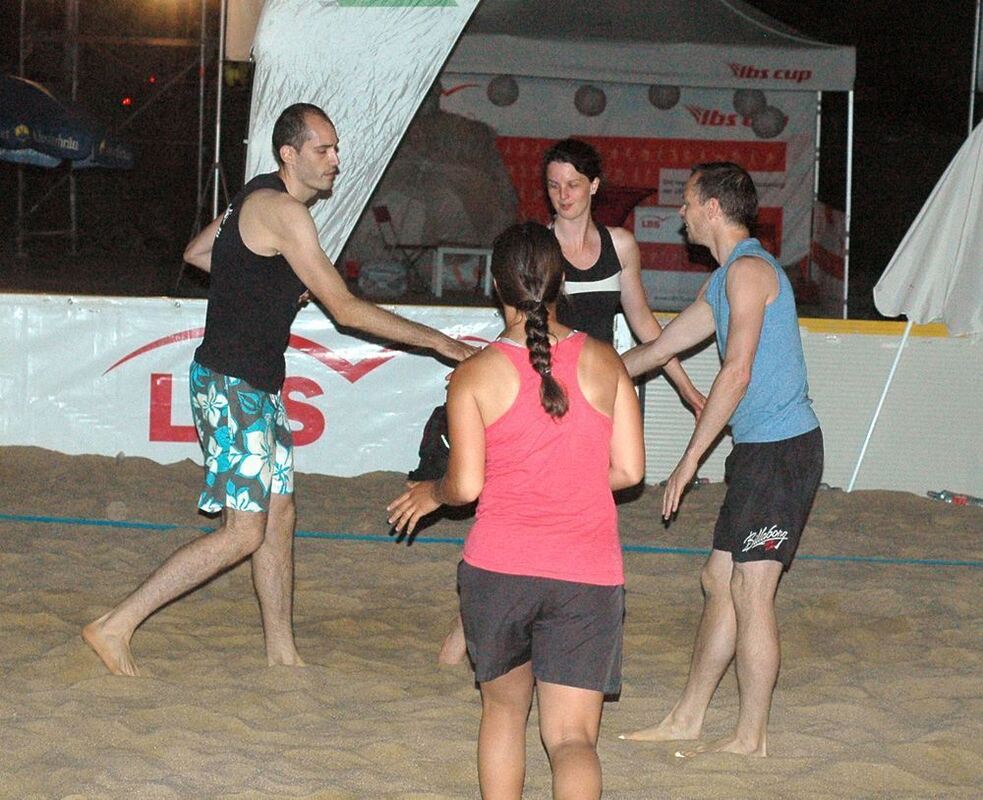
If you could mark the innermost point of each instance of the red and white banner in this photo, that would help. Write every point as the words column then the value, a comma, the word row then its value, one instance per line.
column 105, row 375
column 108, row 375
column 647, row 152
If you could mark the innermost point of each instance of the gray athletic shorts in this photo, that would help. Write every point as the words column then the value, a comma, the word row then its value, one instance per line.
column 571, row 632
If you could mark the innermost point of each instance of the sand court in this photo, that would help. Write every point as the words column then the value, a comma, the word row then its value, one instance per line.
column 879, row 693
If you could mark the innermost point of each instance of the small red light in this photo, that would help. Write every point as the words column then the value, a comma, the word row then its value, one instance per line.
column 126, row 101
column 151, row 78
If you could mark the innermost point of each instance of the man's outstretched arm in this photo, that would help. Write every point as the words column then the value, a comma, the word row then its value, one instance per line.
column 750, row 285
column 640, row 318
column 294, row 235
column 689, row 328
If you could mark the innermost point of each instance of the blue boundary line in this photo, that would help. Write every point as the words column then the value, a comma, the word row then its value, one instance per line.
column 457, row 540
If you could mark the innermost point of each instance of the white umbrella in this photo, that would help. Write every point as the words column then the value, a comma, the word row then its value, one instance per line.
column 936, row 274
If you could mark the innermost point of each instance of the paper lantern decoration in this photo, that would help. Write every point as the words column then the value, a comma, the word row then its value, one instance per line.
column 748, row 102
column 590, row 101
column 768, row 123
column 663, row 97
column 503, row 90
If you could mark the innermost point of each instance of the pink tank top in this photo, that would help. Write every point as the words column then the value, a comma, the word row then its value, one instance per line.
column 546, row 509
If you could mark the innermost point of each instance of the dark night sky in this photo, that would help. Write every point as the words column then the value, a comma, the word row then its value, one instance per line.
column 913, row 58
column 911, row 106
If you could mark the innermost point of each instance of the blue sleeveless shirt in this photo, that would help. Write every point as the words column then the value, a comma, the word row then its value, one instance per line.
column 776, row 405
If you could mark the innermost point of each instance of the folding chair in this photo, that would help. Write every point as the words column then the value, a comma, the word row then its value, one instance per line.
column 409, row 252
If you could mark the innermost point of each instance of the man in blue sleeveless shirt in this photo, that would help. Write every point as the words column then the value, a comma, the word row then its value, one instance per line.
column 264, row 257
column 773, row 471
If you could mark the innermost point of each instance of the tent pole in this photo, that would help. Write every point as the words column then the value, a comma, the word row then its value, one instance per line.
column 72, row 23
column 20, row 167
column 880, row 404
column 848, row 204
column 72, row 212
column 217, row 166
column 815, row 182
column 974, row 77
column 201, row 108
column 23, row 38
column 20, row 211
column 197, row 224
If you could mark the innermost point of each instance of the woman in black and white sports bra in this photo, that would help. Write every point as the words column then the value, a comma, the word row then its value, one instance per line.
column 602, row 265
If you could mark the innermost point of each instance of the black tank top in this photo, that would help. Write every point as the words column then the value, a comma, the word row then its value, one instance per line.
column 593, row 296
column 252, row 302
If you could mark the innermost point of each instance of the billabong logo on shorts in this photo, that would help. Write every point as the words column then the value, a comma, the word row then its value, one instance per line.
column 768, row 538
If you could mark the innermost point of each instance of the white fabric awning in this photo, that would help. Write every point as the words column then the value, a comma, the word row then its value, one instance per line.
column 937, row 271
column 714, row 43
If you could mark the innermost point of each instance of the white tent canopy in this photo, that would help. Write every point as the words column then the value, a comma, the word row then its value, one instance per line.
column 369, row 66
column 937, row 271
column 709, row 43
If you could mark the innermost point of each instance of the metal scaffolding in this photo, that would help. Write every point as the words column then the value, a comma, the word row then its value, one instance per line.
column 110, row 45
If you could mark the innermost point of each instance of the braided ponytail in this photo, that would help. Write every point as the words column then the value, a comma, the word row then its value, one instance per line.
column 551, row 395
column 527, row 266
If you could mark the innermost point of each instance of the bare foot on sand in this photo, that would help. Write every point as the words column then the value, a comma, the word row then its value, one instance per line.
column 454, row 648
column 669, row 730
column 288, row 658
column 113, row 650
column 729, row 745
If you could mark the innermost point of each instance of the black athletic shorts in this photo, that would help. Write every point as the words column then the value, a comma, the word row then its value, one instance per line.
column 571, row 632
column 770, row 489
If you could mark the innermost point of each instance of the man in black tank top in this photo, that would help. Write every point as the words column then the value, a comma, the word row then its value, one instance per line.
column 264, row 258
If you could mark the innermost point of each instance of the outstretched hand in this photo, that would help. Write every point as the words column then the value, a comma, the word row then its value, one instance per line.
column 695, row 400
column 679, row 481
column 407, row 509
column 454, row 349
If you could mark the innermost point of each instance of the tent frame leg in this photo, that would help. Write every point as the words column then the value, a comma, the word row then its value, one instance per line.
column 848, row 205
column 974, row 77
column 880, row 404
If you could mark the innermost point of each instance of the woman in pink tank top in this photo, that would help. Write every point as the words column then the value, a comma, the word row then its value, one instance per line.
column 544, row 424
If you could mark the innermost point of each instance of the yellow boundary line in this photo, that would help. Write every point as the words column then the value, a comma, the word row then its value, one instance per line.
column 866, row 327
column 872, row 327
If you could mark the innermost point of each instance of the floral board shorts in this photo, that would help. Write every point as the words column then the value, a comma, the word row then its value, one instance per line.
column 245, row 439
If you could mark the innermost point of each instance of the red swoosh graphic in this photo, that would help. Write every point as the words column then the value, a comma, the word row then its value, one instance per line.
column 349, row 371
column 453, row 89
column 195, row 333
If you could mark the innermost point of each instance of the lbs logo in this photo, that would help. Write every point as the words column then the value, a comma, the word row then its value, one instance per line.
column 163, row 429
column 766, row 74
column 656, row 222
column 716, row 118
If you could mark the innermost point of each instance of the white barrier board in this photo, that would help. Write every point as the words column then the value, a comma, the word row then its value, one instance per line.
column 109, row 375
